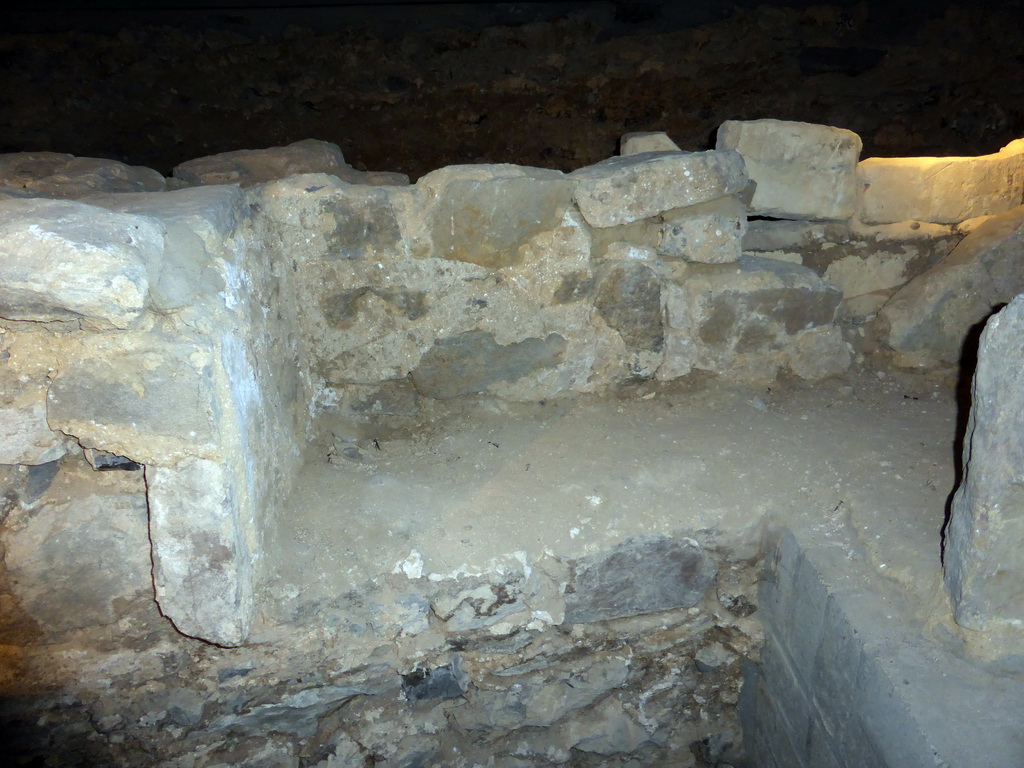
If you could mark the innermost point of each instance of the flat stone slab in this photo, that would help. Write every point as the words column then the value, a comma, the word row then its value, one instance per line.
column 624, row 189
column 641, row 575
column 944, row 190
column 802, row 170
column 52, row 174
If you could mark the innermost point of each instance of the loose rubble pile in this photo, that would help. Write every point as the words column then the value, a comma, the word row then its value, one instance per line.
column 202, row 327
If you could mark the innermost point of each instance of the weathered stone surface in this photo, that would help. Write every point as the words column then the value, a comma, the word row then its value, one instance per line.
column 50, row 174
column 247, row 167
column 141, row 396
column 565, row 690
column 711, row 233
column 61, row 260
column 858, row 260
column 202, row 562
column 472, row 361
column 802, row 171
column 197, row 224
column 818, row 353
column 628, row 298
column 744, row 316
column 946, row 190
column 624, row 189
column 642, row 575
column 27, row 356
column 83, row 550
column 486, row 221
column 653, row 141
column 983, row 559
column 927, row 321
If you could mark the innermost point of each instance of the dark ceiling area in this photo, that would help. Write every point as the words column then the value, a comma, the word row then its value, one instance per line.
column 415, row 86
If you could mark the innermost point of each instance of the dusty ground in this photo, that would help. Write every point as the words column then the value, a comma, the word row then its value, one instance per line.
column 469, row 483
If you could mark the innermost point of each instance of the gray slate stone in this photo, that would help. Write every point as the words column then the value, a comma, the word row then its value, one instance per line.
column 927, row 321
column 470, row 362
column 629, row 300
column 61, row 260
column 984, row 562
column 633, row 187
column 641, row 575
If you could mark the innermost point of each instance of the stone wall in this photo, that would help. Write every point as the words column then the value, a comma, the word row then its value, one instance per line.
column 195, row 335
column 200, row 330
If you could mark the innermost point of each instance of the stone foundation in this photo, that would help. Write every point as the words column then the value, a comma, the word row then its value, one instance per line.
column 199, row 339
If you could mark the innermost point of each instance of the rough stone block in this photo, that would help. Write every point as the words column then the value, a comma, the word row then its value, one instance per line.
column 652, row 141
column 745, row 317
column 472, row 361
column 202, row 561
column 818, row 353
column 641, row 575
column 142, row 396
column 50, row 174
column 711, row 233
column 984, row 562
column 928, row 320
column 628, row 298
column 61, row 260
column 197, row 224
column 27, row 355
column 624, row 189
column 248, row 167
column 486, row 221
column 946, row 190
column 802, row 171
column 82, row 550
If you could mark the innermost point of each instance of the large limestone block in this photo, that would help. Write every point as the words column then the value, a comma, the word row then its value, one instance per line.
column 61, row 260
column 26, row 359
column 984, row 561
column 144, row 396
column 202, row 558
column 945, row 190
column 50, row 174
column 484, row 215
column 624, row 189
column 198, row 223
column 927, row 321
column 747, row 318
column 327, row 218
column 248, row 167
column 83, row 550
column 802, row 170
column 711, row 233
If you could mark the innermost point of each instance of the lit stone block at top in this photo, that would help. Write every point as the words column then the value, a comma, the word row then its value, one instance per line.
column 943, row 190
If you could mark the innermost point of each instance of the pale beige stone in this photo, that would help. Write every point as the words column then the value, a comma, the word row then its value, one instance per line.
column 624, row 189
column 944, row 190
column 653, row 141
column 710, row 233
column 61, row 260
column 802, row 170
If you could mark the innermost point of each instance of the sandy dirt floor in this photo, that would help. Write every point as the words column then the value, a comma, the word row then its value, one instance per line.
column 471, row 484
